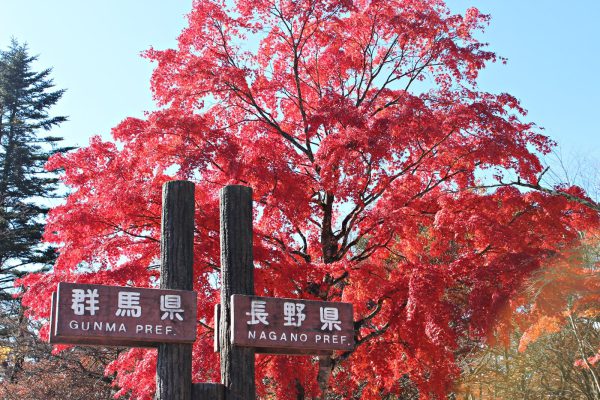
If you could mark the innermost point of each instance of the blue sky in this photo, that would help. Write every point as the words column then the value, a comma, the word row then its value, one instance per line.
column 552, row 47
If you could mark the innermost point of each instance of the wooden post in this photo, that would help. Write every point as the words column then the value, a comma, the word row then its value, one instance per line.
column 208, row 391
column 237, row 277
column 174, row 366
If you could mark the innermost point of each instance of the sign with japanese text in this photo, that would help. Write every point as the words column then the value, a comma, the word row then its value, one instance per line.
column 122, row 316
column 277, row 324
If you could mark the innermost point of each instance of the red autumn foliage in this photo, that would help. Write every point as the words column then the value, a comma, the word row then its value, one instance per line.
column 361, row 130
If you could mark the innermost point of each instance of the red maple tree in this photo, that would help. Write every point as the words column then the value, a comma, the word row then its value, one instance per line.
column 361, row 130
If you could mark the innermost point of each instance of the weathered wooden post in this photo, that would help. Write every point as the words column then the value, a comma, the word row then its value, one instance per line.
column 174, row 367
column 237, row 277
column 208, row 391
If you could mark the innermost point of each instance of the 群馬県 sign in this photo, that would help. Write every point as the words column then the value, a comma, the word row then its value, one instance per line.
column 291, row 326
column 121, row 316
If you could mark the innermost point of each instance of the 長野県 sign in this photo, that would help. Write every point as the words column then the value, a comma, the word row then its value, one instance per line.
column 279, row 325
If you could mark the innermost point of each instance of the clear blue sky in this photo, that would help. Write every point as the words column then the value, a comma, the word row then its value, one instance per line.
column 553, row 49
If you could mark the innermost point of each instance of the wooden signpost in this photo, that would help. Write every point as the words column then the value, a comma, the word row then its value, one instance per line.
column 122, row 316
column 166, row 317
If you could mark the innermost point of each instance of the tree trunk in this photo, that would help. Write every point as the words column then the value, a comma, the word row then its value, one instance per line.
column 328, row 243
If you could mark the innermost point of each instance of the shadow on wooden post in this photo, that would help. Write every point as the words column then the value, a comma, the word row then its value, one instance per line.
column 174, row 364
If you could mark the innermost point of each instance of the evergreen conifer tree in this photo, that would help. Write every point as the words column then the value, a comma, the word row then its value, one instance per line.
column 26, row 97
